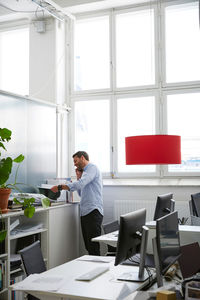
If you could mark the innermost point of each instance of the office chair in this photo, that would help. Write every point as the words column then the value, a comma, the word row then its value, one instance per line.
column 33, row 261
column 164, row 205
column 195, row 204
column 108, row 228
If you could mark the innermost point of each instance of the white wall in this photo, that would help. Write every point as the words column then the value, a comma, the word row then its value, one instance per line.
column 141, row 194
column 43, row 62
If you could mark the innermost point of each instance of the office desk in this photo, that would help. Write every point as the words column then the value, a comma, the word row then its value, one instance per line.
column 188, row 234
column 104, row 287
column 109, row 238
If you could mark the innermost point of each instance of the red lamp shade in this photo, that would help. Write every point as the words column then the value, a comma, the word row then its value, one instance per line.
column 153, row 149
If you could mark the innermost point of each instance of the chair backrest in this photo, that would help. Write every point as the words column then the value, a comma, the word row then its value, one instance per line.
column 192, row 212
column 110, row 227
column 195, row 203
column 32, row 259
column 164, row 205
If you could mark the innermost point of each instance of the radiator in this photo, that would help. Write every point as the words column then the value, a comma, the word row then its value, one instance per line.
column 124, row 206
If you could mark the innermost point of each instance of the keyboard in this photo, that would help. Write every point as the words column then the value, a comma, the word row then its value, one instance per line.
column 93, row 274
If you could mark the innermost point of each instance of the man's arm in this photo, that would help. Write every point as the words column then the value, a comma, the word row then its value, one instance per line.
column 61, row 187
column 86, row 178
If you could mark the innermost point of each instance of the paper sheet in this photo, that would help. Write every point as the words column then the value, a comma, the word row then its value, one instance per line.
column 38, row 282
column 102, row 259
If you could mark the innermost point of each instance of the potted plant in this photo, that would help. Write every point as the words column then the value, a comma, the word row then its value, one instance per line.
column 6, row 164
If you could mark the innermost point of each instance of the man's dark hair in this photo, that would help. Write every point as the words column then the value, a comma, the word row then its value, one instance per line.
column 80, row 153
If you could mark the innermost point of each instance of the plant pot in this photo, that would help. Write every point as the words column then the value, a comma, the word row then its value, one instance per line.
column 4, row 196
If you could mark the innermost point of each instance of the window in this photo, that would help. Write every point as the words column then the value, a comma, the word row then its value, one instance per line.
column 91, row 54
column 133, row 119
column 183, row 119
column 182, row 43
column 92, row 133
column 135, row 54
column 14, row 61
column 151, row 85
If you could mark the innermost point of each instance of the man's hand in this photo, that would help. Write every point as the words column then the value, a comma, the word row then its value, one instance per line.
column 78, row 173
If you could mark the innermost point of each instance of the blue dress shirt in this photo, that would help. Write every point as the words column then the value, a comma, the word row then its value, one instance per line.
column 90, row 188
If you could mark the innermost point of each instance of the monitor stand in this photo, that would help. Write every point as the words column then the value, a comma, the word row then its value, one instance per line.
column 139, row 274
column 157, row 263
column 134, row 276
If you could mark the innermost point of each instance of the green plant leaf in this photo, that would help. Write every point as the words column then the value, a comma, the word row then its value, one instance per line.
column 3, row 235
column 5, row 169
column 2, row 146
column 19, row 158
column 28, row 201
column 16, row 201
column 5, row 134
column 29, row 211
column 45, row 202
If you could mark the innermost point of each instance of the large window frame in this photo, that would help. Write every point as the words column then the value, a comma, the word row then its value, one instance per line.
column 160, row 89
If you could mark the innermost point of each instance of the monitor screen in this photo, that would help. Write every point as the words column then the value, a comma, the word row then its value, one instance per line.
column 164, row 205
column 167, row 249
column 132, row 239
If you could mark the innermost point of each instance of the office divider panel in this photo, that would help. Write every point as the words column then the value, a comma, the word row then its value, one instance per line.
column 33, row 127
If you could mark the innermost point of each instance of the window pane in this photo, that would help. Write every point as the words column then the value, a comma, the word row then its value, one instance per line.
column 183, row 120
column 14, row 61
column 135, row 60
column 182, row 43
column 91, row 61
column 133, row 119
column 92, row 131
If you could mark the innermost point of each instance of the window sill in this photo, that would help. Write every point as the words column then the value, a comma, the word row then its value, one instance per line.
column 152, row 182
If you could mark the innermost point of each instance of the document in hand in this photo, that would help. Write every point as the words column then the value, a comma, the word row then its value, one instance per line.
column 39, row 282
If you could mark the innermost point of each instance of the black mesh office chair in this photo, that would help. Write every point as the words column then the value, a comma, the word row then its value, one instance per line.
column 164, row 205
column 108, row 228
column 33, row 261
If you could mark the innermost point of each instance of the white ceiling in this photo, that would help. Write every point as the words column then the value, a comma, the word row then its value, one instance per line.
column 12, row 9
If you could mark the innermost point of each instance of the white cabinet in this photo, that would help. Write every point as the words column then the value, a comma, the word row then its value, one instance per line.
column 63, row 234
column 56, row 227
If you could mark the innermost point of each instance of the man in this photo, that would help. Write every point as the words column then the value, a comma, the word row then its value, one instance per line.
column 89, row 188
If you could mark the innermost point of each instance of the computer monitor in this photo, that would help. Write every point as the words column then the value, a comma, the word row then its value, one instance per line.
column 132, row 239
column 166, row 244
column 165, row 205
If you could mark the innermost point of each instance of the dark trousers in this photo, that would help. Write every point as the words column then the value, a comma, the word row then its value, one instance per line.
column 91, row 227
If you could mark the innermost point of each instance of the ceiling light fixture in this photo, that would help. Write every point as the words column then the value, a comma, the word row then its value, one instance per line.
column 153, row 149
column 54, row 10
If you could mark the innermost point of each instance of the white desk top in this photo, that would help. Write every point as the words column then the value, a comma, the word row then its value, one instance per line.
column 104, row 287
column 109, row 238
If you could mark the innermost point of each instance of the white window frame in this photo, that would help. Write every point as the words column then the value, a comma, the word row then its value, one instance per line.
column 160, row 89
